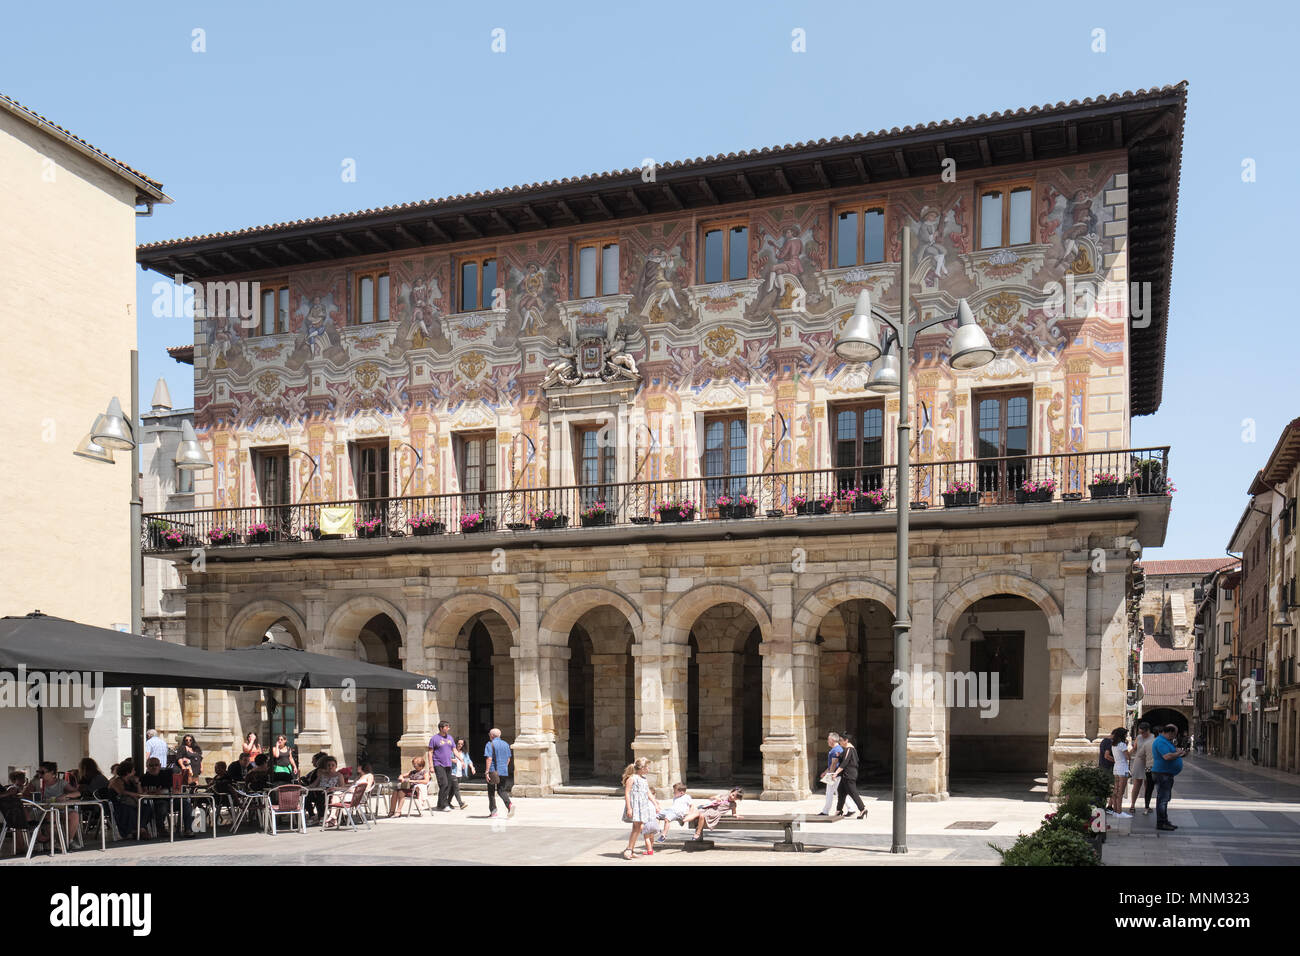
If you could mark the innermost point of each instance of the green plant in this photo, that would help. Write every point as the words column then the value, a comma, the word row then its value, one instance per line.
column 1088, row 781
column 1049, row 846
column 1074, row 813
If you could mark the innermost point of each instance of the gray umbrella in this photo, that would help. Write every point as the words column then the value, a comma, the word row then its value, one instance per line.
column 306, row 669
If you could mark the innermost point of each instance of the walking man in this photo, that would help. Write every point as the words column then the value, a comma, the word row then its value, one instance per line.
column 441, row 746
column 1167, row 762
column 497, row 754
column 830, row 778
column 155, row 747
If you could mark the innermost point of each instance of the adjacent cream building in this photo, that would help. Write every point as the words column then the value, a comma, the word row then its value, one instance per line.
column 67, row 325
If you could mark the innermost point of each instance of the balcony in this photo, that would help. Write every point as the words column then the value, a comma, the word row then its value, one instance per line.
column 856, row 499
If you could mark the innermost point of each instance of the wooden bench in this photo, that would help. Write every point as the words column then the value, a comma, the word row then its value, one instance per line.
column 783, row 822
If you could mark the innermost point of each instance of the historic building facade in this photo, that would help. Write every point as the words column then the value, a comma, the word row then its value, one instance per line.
column 584, row 450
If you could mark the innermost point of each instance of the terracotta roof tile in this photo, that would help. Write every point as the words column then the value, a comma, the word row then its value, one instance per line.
column 1193, row 566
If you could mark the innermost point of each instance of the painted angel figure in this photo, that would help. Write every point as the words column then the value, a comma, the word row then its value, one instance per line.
column 932, row 230
column 1074, row 218
column 318, row 325
column 531, row 289
column 656, row 285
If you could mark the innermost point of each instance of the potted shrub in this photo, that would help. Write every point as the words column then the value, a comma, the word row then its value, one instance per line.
column 1106, row 484
column 596, row 514
column 425, row 523
column 259, row 532
column 313, row 530
column 1149, row 478
column 473, row 521
column 873, row 499
column 544, row 519
column 741, row 506
column 1035, row 490
column 370, row 528
column 173, row 538
column 961, row 494
column 1049, row 846
column 670, row 511
column 816, row 505
column 220, row 535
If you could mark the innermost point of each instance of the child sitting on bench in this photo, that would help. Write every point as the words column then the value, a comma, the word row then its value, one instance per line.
column 708, row 814
column 677, row 810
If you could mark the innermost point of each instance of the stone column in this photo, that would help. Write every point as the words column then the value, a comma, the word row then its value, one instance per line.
column 503, row 695
column 537, row 763
column 1067, row 655
column 785, row 756
column 609, row 703
column 327, row 722
column 421, row 710
column 652, row 740
column 1113, row 636
column 211, row 716
column 674, row 661
column 927, row 779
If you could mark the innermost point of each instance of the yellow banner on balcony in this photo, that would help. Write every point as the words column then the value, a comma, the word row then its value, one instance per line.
column 336, row 521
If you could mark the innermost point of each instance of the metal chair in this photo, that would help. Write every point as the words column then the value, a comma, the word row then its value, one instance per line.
column 288, row 800
column 350, row 805
column 381, row 786
column 244, row 803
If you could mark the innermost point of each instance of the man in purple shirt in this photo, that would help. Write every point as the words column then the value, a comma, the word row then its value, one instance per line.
column 441, row 745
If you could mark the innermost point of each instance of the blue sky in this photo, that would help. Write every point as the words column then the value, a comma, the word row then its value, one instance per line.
column 255, row 130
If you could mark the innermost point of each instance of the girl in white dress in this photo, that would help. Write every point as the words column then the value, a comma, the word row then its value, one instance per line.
column 640, row 808
column 1119, row 750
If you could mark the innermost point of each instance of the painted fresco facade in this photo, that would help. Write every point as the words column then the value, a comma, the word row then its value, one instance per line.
column 714, row 654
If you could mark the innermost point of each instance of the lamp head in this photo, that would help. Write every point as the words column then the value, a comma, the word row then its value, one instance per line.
column 189, row 454
column 859, row 341
column 970, row 346
column 112, row 430
column 884, row 373
column 87, row 448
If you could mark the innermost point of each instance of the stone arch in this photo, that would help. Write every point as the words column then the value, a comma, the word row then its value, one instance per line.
column 687, row 608
column 565, row 611
column 444, row 627
column 955, row 602
column 252, row 620
column 817, row 604
column 350, row 616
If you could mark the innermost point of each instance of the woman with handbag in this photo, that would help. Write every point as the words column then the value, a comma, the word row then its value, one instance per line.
column 848, row 774
column 834, row 755
column 640, row 808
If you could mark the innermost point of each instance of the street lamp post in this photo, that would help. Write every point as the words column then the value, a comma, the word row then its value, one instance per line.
column 860, row 342
column 111, row 431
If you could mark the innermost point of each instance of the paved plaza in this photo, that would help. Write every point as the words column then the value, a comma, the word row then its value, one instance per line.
column 1227, row 813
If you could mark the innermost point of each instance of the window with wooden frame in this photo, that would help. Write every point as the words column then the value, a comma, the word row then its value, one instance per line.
column 1006, row 212
column 724, row 251
column 597, row 267
column 859, row 234
column 596, row 463
column 476, row 464
column 1002, row 432
column 725, row 456
column 370, row 302
column 273, row 308
column 370, row 473
column 476, row 278
column 858, row 444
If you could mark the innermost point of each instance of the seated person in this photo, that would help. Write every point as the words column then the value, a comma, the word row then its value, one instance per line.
column 238, row 770
column 410, row 786
column 11, row 804
column 92, row 780
column 708, row 814
column 220, row 782
column 257, row 778
column 124, row 786
column 362, row 786
column 676, row 811
column 327, row 778
column 155, row 779
column 57, row 790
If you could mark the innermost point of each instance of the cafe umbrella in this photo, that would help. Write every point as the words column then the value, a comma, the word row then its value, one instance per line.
column 304, row 669
column 48, row 659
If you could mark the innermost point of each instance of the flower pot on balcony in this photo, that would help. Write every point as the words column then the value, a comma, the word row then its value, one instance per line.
column 436, row 527
column 547, row 524
column 1028, row 497
column 231, row 538
column 259, row 537
column 861, row 503
column 812, row 508
column 961, row 499
column 519, row 526
column 1109, row 490
column 736, row 511
column 642, row 519
column 675, row 515
column 599, row 520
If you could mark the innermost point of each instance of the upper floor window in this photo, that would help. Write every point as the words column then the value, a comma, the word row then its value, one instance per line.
column 597, row 268
column 859, row 235
column 724, row 456
column 274, row 306
column 725, row 252
column 858, row 434
column 478, row 279
column 372, row 298
column 1005, row 213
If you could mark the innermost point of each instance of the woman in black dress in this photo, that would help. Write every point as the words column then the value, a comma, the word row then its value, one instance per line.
column 848, row 773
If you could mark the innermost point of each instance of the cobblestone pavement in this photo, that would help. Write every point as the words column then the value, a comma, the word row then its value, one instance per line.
column 1227, row 814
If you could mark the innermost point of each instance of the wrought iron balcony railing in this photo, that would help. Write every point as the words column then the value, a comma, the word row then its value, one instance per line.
column 971, row 483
